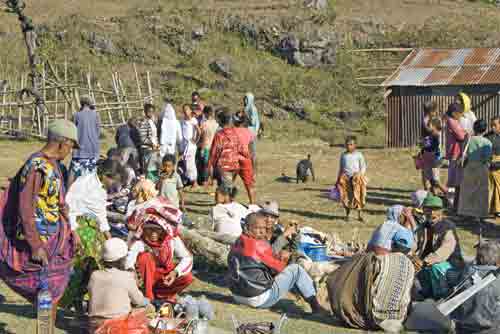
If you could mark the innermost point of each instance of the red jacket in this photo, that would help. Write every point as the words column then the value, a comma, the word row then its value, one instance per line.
column 252, row 266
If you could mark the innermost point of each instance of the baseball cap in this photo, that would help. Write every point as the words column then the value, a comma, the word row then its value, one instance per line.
column 66, row 129
column 433, row 202
column 271, row 208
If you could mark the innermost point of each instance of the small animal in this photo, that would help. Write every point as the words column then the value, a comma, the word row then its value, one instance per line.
column 305, row 169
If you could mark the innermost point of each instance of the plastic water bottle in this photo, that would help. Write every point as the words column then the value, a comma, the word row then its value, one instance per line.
column 44, row 308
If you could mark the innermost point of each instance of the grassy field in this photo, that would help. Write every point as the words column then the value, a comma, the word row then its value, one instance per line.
column 391, row 180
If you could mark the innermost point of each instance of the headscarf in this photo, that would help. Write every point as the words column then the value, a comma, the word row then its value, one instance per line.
column 158, row 211
column 465, row 102
column 396, row 211
column 252, row 114
column 418, row 197
column 393, row 213
column 170, row 128
column 145, row 190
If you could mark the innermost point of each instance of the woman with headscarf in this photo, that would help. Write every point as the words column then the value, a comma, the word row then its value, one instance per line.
column 468, row 117
column 254, row 122
column 474, row 199
column 163, row 261
column 397, row 230
column 171, row 133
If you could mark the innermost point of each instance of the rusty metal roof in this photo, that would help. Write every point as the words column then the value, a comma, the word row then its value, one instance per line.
column 447, row 67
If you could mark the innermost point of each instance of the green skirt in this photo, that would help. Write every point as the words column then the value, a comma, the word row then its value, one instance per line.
column 84, row 263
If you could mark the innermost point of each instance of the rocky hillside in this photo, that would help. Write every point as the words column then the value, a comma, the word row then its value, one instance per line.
column 293, row 54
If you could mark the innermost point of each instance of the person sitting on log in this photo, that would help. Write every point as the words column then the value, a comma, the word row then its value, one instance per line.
column 155, row 222
column 227, row 215
column 259, row 278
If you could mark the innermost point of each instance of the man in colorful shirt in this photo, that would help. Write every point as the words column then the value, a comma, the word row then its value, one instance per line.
column 36, row 241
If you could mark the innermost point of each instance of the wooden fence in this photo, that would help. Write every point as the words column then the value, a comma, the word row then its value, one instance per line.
column 114, row 102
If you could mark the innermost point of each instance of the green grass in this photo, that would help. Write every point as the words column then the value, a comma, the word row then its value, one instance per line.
column 392, row 178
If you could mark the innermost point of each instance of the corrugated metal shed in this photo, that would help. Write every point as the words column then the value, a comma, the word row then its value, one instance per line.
column 448, row 67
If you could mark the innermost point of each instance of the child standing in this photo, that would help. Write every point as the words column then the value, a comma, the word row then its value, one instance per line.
column 170, row 184
column 351, row 180
column 431, row 153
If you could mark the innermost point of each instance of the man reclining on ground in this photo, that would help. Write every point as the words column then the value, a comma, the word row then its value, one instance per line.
column 259, row 278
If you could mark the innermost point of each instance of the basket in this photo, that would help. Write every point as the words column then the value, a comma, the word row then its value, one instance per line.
column 179, row 326
column 317, row 253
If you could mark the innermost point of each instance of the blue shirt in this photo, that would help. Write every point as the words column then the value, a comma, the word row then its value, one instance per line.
column 88, row 123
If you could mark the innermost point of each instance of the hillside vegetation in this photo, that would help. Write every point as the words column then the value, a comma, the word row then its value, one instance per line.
column 179, row 42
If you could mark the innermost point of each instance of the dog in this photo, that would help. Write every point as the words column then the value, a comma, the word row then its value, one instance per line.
column 305, row 169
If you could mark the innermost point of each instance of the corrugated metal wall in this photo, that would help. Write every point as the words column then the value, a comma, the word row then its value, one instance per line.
column 405, row 114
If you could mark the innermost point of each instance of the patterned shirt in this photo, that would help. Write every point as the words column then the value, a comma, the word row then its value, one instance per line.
column 47, row 197
column 227, row 150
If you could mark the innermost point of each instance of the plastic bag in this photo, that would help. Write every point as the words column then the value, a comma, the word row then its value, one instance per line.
column 134, row 323
column 334, row 194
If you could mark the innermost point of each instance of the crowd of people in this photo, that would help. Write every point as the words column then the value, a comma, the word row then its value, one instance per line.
column 57, row 227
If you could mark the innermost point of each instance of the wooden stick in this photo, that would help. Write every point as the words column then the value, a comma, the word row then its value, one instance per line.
column 56, row 109
column 58, row 86
column 383, row 50
column 150, row 90
column 4, row 98
column 46, row 88
column 129, row 115
column 139, row 90
column 118, row 108
column 117, row 93
column 106, row 102
column 65, row 83
column 45, row 115
column 372, row 77
column 20, row 109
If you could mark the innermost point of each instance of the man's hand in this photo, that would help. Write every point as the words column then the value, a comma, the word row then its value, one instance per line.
column 40, row 256
column 290, row 230
column 107, row 235
column 169, row 279
column 284, row 256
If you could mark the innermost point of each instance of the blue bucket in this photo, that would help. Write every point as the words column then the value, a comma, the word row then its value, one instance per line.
column 315, row 252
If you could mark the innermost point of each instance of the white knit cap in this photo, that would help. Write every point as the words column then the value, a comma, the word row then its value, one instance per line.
column 114, row 249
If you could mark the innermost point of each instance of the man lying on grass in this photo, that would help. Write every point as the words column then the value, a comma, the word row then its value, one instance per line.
column 260, row 278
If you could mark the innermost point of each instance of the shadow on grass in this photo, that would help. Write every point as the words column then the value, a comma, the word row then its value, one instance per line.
column 199, row 212
column 311, row 214
column 19, row 310
column 207, row 204
column 214, row 296
column 490, row 229
column 393, row 190
column 3, row 329
column 217, row 279
column 285, row 179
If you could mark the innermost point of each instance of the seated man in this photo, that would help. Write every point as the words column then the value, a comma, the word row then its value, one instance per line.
column 438, row 249
column 482, row 311
column 258, row 277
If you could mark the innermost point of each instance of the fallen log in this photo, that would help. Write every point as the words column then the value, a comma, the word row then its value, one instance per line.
column 213, row 251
